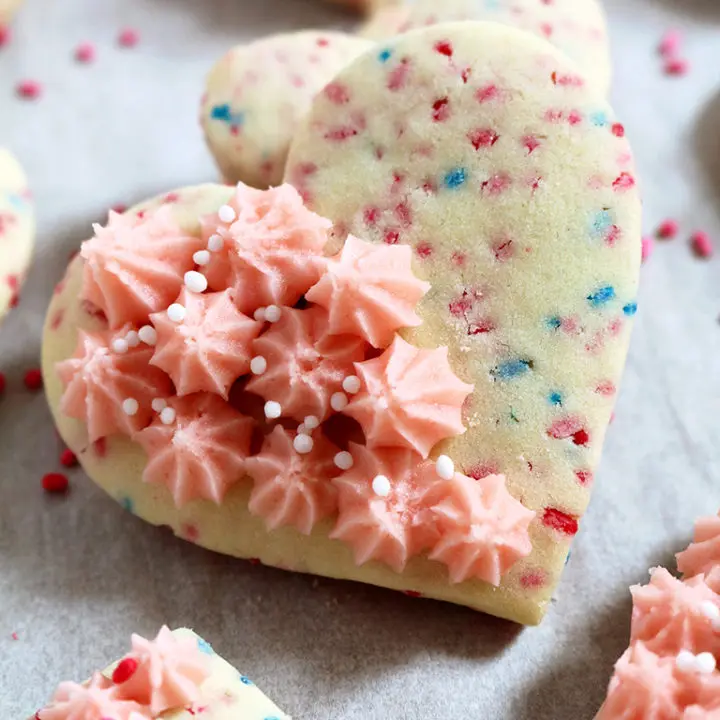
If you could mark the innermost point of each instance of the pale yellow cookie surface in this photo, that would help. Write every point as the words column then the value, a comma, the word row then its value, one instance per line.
column 7, row 10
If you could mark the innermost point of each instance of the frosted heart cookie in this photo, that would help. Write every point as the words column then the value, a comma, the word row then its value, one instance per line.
column 257, row 94
column 482, row 148
column 577, row 27
column 17, row 229
column 216, row 371
column 175, row 675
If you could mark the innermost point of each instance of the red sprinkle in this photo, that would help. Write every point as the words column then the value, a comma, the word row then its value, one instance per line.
column 701, row 244
column 561, row 521
column 128, row 38
column 3, row 383
column 668, row 229
column 125, row 670
column 54, row 482
column 28, row 89
column 648, row 245
column 413, row 593
column 33, row 379
column 618, row 130
column 14, row 636
column 670, row 43
column 5, row 35
column 85, row 52
column 676, row 66
column 68, row 458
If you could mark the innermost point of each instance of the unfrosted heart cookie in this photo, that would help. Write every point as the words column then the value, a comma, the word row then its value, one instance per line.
column 482, row 148
column 257, row 94
column 17, row 229
column 577, row 27
column 176, row 673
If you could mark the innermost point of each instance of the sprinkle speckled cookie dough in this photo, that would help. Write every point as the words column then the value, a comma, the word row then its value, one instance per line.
column 482, row 148
column 17, row 230
column 577, row 27
column 257, row 94
column 176, row 674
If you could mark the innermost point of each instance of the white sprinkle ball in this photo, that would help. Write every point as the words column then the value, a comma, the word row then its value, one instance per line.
column 272, row 313
column 258, row 365
column 119, row 345
column 201, row 257
column 132, row 339
column 176, row 312
column 343, row 460
column 159, row 404
column 167, row 416
column 273, row 410
column 148, row 334
column 311, row 422
column 445, row 467
column 338, row 401
column 351, row 384
column 226, row 214
column 259, row 314
column 215, row 243
column 303, row 444
column 705, row 663
column 381, row 486
column 685, row 661
column 195, row 282
column 130, row 406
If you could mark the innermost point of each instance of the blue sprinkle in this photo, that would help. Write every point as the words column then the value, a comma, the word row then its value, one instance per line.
column 599, row 119
column 126, row 503
column 205, row 647
column 511, row 369
column 17, row 201
column 385, row 55
column 554, row 323
column 601, row 223
column 225, row 114
column 455, row 178
column 630, row 309
column 567, row 559
column 602, row 296
column 246, row 680
column 271, row 717
column 492, row 4
column 555, row 398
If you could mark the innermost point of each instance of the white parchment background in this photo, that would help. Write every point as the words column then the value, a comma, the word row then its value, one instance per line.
column 78, row 574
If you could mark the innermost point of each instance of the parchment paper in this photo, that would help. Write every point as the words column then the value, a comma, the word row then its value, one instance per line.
column 78, row 574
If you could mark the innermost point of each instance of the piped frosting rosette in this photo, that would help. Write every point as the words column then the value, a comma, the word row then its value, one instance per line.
column 250, row 313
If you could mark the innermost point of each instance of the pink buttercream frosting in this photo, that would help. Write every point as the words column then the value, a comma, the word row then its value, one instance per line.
column 210, row 348
column 484, row 529
column 703, row 554
column 304, row 366
column 292, row 488
column 98, row 380
column 201, row 453
column 134, row 265
column 273, row 248
column 410, row 398
column 369, row 290
column 390, row 528
column 668, row 615
column 95, row 700
column 169, row 672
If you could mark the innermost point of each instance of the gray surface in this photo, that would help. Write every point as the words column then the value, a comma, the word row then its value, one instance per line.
column 78, row 575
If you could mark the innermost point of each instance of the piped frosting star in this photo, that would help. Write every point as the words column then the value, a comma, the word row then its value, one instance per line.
column 210, row 348
column 370, row 290
column 290, row 487
column 703, row 554
column 484, row 529
column 135, row 266
column 409, row 398
column 197, row 447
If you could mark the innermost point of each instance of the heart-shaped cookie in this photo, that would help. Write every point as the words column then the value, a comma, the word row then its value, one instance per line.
column 17, row 229
column 256, row 95
column 577, row 27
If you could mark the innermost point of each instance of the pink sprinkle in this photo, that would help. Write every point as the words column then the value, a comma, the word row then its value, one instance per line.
column 701, row 244
column 670, row 43
column 128, row 38
column 648, row 245
column 5, row 35
column 29, row 89
column 85, row 52
column 676, row 66
column 668, row 229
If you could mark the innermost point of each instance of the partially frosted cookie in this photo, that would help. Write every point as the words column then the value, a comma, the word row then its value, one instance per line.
column 257, row 94
column 484, row 149
column 17, row 229
column 577, row 27
column 175, row 675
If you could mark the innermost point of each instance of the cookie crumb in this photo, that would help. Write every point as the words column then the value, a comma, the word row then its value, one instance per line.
column 54, row 482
